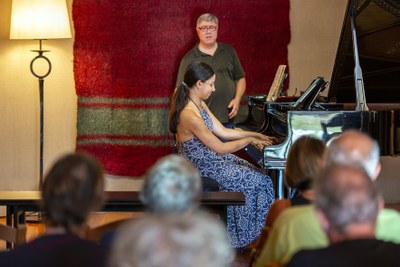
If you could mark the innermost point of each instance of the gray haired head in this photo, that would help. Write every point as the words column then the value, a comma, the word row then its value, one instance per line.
column 354, row 147
column 346, row 196
column 207, row 17
column 173, row 184
column 172, row 240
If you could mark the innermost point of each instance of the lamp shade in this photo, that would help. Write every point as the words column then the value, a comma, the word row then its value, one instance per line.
column 39, row 19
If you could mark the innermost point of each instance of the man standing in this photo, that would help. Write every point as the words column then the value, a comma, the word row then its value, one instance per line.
column 230, row 84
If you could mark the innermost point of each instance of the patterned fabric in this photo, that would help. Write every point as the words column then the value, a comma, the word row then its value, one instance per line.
column 234, row 175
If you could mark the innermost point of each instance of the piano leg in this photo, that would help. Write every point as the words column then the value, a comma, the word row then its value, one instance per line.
column 277, row 179
column 280, row 184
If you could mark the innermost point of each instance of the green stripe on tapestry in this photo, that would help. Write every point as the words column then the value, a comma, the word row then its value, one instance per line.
column 123, row 125
column 122, row 121
column 103, row 100
column 116, row 142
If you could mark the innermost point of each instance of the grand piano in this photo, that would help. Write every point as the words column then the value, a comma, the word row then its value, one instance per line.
column 364, row 92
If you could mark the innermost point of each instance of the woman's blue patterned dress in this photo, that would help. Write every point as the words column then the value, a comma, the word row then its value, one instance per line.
column 234, row 175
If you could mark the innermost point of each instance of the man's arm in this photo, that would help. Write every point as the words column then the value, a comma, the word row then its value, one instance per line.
column 234, row 105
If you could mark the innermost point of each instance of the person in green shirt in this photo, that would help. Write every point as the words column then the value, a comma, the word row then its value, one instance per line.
column 347, row 204
column 298, row 227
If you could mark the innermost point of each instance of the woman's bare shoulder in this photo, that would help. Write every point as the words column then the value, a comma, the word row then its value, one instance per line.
column 189, row 115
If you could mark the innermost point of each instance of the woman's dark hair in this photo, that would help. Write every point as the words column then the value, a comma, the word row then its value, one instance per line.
column 197, row 71
column 304, row 162
column 72, row 189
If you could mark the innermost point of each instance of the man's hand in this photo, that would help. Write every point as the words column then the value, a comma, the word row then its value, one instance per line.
column 233, row 106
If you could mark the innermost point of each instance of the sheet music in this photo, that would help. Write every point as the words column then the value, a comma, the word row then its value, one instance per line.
column 277, row 84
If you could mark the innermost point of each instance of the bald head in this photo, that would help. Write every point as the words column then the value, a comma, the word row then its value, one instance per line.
column 354, row 147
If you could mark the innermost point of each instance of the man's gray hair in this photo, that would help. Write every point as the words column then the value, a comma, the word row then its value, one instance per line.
column 173, row 184
column 346, row 195
column 365, row 154
column 172, row 240
column 207, row 17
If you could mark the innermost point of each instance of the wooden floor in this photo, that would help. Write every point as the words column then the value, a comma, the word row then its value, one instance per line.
column 35, row 229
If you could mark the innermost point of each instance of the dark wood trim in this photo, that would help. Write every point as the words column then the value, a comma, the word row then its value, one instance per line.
column 115, row 201
column 18, row 202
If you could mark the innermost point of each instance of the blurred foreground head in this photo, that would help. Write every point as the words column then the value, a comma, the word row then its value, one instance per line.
column 304, row 162
column 173, row 184
column 172, row 240
column 72, row 189
column 347, row 197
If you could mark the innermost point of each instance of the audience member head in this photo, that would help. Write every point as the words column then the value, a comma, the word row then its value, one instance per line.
column 173, row 184
column 304, row 162
column 346, row 199
column 195, row 72
column 73, row 188
column 354, row 147
column 172, row 240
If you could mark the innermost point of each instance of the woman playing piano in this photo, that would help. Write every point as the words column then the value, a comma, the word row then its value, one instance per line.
column 197, row 133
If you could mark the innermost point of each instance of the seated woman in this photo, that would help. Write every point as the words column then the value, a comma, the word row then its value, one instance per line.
column 197, row 133
column 304, row 163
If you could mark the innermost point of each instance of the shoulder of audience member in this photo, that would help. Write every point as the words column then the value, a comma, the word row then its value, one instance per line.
column 296, row 214
column 276, row 209
column 388, row 225
column 302, row 258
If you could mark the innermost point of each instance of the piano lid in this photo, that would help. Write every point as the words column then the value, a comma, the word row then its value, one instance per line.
column 378, row 36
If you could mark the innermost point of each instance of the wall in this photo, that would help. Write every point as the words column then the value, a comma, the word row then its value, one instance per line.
column 19, row 107
column 315, row 27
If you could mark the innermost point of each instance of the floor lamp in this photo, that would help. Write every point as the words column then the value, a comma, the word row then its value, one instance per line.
column 40, row 20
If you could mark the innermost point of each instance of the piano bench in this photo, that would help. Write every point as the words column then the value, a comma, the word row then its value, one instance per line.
column 210, row 185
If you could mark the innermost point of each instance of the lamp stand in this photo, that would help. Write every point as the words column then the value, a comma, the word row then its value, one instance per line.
column 41, row 77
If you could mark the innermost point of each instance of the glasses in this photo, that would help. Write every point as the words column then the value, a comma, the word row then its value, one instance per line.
column 211, row 28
